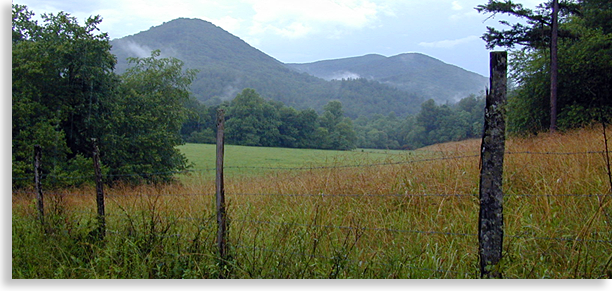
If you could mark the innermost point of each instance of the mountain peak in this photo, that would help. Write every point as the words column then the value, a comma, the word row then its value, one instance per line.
column 227, row 65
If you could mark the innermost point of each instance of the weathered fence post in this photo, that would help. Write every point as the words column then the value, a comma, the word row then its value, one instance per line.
column 101, row 231
column 220, row 194
column 38, row 184
column 491, row 222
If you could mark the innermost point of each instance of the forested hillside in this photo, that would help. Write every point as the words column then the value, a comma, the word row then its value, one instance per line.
column 67, row 89
column 227, row 65
column 411, row 72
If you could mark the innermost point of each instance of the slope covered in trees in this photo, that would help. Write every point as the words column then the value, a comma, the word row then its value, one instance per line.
column 227, row 65
column 412, row 72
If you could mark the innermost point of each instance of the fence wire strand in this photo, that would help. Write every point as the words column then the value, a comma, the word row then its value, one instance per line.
column 527, row 236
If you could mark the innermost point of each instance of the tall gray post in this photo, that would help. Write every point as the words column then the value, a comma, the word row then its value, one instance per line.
column 99, row 191
column 38, row 184
column 491, row 221
column 220, row 194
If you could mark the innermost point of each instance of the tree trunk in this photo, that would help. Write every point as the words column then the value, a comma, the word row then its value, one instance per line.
column 554, row 70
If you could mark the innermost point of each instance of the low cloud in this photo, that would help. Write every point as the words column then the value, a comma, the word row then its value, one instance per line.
column 141, row 51
column 343, row 75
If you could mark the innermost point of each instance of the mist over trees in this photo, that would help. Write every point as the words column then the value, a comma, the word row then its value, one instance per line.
column 65, row 91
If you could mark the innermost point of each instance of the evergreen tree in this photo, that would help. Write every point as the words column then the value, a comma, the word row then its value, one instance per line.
column 584, row 78
column 581, row 68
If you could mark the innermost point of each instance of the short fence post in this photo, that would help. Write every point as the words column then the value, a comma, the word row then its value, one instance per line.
column 38, row 184
column 99, row 191
column 220, row 194
column 491, row 222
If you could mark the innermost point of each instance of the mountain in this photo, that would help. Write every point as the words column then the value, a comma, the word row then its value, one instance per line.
column 227, row 65
column 411, row 72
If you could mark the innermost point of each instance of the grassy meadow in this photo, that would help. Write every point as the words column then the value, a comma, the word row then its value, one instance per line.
column 327, row 214
column 245, row 160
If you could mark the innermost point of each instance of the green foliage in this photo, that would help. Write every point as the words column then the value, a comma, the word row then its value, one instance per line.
column 253, row 121
column 536, row 34
column 61, row 82
column 433, row 124
column 585, row 64
column 148, row 113
column 65, row 93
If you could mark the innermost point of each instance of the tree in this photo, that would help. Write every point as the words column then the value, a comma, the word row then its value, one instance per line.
column 65, row 93
column 146, row 120
column 62, row 81
column 252, row 121
column 542, row 30
column 341, row 134
column 194, row 129
column 308, row 123
column 584, row 74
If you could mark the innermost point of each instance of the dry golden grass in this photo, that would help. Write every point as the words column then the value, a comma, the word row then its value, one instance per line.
column 416, row 219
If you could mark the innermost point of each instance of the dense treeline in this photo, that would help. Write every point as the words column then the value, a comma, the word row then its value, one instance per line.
column 433, row 124
column 253, row 121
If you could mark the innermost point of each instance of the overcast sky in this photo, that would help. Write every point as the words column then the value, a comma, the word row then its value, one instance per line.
column 298, row 31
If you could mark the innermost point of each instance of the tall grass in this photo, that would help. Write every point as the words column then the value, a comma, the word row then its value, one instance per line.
column 409, row 216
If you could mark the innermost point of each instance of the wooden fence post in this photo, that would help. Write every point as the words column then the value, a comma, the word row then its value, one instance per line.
column 220, row 194
column 38, row 184
column 491, row 222
column 99, row 191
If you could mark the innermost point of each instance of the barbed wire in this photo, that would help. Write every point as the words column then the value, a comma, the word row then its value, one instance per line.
column 527, row 236
column 322, row 194
column 422, row 232
column 306, row 168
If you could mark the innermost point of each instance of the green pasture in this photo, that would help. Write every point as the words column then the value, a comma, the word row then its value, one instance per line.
column 253, row 160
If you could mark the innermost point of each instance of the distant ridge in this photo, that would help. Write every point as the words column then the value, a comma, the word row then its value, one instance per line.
column 227, row 65
column 410, row 72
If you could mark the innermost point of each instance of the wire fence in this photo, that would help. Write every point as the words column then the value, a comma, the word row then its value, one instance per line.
column 592, row 237
column 490, row 198
column 305, row 168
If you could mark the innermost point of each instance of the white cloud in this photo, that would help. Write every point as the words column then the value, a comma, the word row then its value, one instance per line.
column 297, row 18
column 450, row 43
column 228, row 23
column 456, row 5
